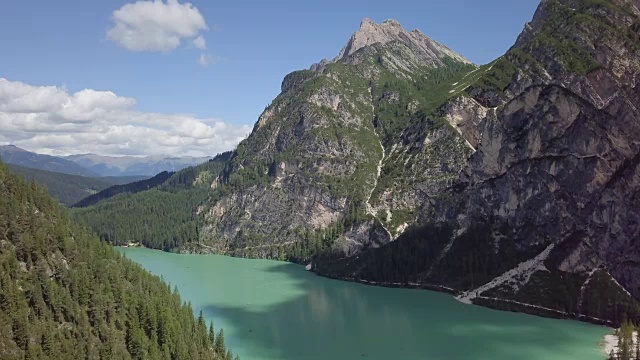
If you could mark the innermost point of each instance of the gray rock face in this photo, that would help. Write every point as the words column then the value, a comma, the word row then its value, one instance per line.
column 514, row 184
column 318, row 162
column 389, row 31
column 553, row 177
column 559, row 163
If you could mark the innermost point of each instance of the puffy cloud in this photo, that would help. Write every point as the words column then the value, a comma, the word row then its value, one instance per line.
column 49, row 119
column 157, row 25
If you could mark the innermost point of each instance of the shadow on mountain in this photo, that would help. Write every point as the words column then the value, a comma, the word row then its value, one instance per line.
column 331, row 319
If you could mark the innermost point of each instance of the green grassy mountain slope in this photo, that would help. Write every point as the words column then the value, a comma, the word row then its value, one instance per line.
column 66, row 295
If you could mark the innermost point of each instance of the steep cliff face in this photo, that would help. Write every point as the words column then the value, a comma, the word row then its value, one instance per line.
column 544, row 212
column 513, row 184
column 320, row 167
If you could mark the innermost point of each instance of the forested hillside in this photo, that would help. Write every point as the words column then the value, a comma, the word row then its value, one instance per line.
column 66, row 295
column 130, row 188
column 161, row 218
column 69, row 189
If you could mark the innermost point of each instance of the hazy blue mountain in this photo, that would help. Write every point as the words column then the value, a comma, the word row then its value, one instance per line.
column 133, row 165
column 14, row 155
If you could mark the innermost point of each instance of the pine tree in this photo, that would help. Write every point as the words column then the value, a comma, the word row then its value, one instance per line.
column 220, row 347
column 625, row 341
column 212, row 335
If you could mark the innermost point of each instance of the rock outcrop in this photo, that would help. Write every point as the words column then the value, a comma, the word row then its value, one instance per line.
column 425, row 49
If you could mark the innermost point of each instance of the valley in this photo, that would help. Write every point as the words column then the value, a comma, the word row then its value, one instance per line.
column 401, row 162
column 397, row 200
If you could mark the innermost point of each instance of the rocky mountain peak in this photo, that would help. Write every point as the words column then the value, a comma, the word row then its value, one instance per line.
column 371, row 33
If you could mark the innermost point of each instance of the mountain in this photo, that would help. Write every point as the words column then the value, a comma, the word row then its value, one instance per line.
column 132, row 165
column 130, row 188
column 14, row 155
column 542, row 216
column 91, row 165
column 325, row 155
column 424, row 51
column 69, row 189
column 512, row 185
column 66, row 295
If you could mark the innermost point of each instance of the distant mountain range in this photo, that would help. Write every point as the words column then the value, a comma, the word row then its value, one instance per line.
column 131, row 165
column 92, row 165
column 17, row 156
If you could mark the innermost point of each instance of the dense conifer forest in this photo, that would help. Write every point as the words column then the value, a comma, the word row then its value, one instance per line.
column 159, row 218
column 64, row 294
column 69, row 189
column 130, row 188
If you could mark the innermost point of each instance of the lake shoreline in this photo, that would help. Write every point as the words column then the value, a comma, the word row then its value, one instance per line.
column 317, row 303
column 500, row 304
column 491, row 303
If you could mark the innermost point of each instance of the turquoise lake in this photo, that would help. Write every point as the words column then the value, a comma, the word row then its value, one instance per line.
column 276, row 310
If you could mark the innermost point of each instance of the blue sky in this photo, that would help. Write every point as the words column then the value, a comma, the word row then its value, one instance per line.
column 254, row 43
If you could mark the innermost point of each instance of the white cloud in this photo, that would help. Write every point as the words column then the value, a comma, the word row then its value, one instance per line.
column 50, row 119
column 200, row 43
column 206, row 59
column 156, row 25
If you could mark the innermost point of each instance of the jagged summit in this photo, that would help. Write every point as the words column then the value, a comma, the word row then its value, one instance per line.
column 389, row 31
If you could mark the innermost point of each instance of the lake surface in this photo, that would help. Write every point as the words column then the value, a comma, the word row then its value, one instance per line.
column 275, row 310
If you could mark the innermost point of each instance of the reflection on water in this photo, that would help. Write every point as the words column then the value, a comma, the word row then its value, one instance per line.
column 273, row 310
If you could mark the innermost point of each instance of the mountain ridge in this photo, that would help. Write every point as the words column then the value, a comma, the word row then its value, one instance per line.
column 133, row 165
column 14, row 155
column 390, row 30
